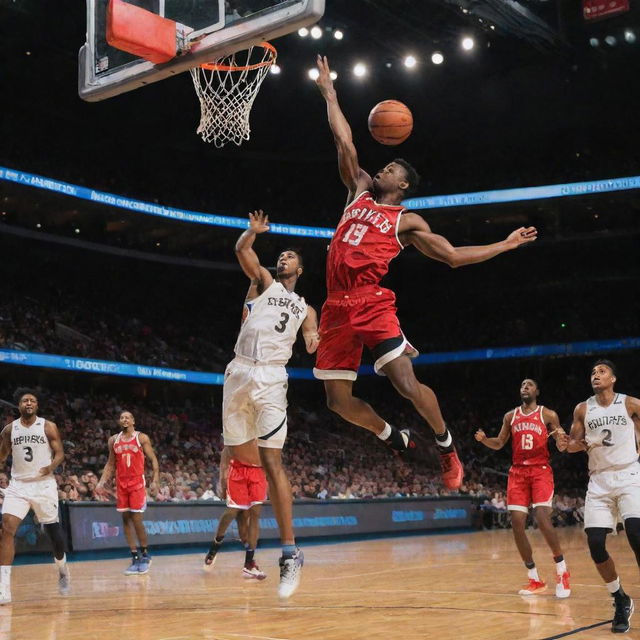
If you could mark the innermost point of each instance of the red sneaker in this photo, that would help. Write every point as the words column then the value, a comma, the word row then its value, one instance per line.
column 452, row 470
column 563, row 590
column 534, row 587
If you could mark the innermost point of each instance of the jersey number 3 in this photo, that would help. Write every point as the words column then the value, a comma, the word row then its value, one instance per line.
column 28, row 454
column 355, row 233
column 282, row 325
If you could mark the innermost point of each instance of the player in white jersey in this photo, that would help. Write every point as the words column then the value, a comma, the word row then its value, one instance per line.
column 607, row 427
column 254, row 404
column 36, row 450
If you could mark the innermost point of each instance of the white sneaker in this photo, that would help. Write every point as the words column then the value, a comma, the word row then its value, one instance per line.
column 5, row 594
column 290, row 572
column 64, row 580
column 563, row 589
column 253, row 572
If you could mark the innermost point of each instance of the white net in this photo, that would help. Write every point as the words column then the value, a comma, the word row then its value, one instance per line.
column 226, row 89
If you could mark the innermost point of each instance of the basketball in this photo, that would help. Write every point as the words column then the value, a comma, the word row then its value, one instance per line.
column 390, row 122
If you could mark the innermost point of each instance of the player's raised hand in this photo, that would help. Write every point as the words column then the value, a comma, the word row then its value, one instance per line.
column 259, row 221
column 324, row 81
column 521, row 236
column 480, row 435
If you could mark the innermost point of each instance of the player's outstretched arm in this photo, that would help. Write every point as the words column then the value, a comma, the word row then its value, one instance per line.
column 55, row 442
column 414, row 230
column 5, row 443
column 550, row 418
column 501, row 439
column 354, row 178
column 147, row 447
column 633, row 409
column 247, row 257
column 310, row 330
column 109, row 468
column 577, row 440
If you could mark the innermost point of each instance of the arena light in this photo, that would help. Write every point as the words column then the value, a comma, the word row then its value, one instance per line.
column 629, row 36
column 410, row 62
column 611, row 41
column 360, row 70
column 316, row 33
column 333, row 75
column 304, row 32
column 594, row 42
column 313, row 73
column 437, row 58
column 468, row 43
column 275, row 69
column 338, row 34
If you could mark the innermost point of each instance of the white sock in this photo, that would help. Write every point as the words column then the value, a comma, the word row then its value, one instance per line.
column 61, row 564
column 5, row 574
column 386, row 432
column 532, row 574
column 446, row 443
column 561, row 567
column 612, row 587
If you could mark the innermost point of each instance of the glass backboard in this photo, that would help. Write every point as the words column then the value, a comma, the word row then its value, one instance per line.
column 213, row 28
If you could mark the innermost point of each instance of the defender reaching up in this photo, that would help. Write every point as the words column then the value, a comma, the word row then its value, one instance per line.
column 374, row 228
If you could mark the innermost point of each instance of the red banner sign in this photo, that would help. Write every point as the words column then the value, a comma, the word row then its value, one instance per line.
column 596, row 9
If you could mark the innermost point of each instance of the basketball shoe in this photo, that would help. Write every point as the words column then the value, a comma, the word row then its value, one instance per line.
column 563, row 590
column 64, row 580
column 253, row 572
column 452, row 470
column 132, row 569
column 144, row 563
column 533, row 588
column 209, row 560
column 400, row 440
column 290, row 572
column 624, row 610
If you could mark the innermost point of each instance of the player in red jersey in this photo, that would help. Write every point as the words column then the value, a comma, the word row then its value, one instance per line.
column 244, row 485
column 374, row 228
column 531, row 480
column 127, row 450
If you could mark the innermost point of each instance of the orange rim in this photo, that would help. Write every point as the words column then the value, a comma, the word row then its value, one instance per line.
column 212, row 66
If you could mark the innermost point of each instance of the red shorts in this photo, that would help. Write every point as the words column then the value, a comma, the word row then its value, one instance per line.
column 246, row 485
column 530, row 487
column 131, row 496
column 352, row 319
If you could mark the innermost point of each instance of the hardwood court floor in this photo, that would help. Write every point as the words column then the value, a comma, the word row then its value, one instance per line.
column 459, row 586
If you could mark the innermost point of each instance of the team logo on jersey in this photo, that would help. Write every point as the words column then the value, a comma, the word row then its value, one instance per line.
column 606, row 421
column 285, row 303
column 30, row 439
column 374, row 218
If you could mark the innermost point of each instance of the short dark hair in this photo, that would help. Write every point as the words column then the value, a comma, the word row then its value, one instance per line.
column 413, row 177
column 532, row 380
column 20, row 392
column 297, row 251
column 606, row 363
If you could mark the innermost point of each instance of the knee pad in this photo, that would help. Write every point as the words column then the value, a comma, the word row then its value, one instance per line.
column 596, row 538
column 632, row 527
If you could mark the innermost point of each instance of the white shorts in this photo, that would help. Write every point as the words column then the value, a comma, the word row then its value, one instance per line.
column 254, row 404
column 612, row 495
column 39, row 495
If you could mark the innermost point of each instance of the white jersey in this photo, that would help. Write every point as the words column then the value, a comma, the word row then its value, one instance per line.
column 30, row 450
column 613, row 428
column 270, row 325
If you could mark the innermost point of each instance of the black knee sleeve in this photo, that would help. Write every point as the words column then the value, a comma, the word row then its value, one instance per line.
column 597, row 538
column 632, row 527
column 56, row 535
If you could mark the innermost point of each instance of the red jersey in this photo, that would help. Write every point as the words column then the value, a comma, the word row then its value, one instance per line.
column 363, row 245
column 129, row 460
column 529, row 438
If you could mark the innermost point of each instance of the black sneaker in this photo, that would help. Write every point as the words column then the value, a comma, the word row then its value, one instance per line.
column 624, row 611
column 400, row 440
column 209, row 561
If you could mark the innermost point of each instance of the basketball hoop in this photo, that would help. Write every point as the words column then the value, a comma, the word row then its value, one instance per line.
column 226, row 89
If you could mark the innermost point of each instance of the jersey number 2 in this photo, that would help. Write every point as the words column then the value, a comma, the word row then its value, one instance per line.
column 355, row 234
column 527, row 441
